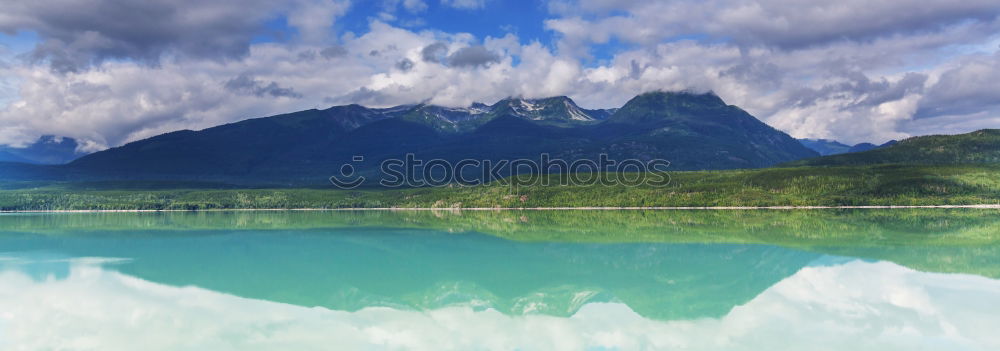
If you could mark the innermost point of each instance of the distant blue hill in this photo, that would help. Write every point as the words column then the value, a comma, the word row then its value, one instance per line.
column 47, row 150
column 827, row 147
column 7, row 156
column 979, row 147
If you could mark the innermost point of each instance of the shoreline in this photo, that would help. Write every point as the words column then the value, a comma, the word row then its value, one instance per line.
column 594, row 208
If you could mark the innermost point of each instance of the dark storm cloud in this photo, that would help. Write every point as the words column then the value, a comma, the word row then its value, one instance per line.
column 307, row 55
column 76, row 34
column 333, row 52
column 783, row 24
column 635, row 70
column 857, row 84
column 434, row 52
column 966, row 89
column 404, row 65
column 765, row 75
column 883, row 91
column 247, row 84
column 807, row 23
column 473, row 56
column 363, row 96
column 327, row 53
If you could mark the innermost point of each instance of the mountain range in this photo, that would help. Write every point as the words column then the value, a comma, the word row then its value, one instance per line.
column 827, row 147
column 692, row 131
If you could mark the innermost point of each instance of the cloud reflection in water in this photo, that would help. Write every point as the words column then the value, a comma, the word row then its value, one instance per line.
column 854, row 305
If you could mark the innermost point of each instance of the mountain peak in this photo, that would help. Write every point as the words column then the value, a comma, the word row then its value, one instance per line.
column 555, row 99
column 657, row 106
column 682, row 98
column 559, row 109
column 515, row 99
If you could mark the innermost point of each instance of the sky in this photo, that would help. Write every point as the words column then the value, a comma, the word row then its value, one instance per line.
column 107, row 72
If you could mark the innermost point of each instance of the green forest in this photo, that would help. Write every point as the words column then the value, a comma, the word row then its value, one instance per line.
column 875, row 185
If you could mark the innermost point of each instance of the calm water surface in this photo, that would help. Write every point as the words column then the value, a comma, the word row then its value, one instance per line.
column 550, row 280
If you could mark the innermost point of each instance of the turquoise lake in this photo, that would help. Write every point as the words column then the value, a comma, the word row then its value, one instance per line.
column 507, row 280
